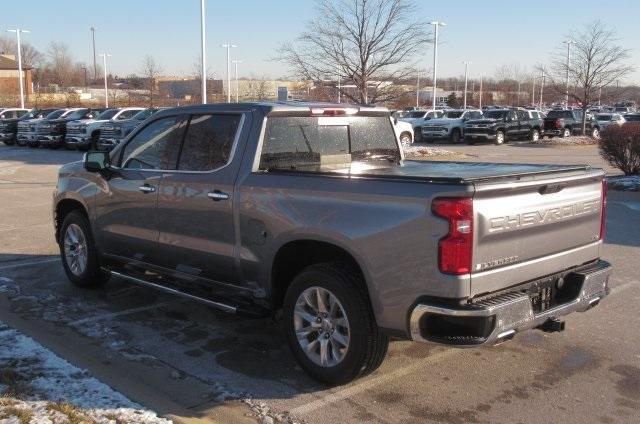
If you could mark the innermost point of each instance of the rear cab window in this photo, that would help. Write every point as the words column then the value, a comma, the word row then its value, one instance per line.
column 328, row 143
column 208, row 143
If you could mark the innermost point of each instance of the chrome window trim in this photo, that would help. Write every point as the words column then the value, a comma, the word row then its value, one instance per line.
column 256, row 158
column 234, row 146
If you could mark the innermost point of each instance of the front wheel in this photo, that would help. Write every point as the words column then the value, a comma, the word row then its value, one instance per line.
column 566, row 133
column 405, row 139
column 78, row 252
column 455, row 137
column 595, row 133
column 499, row 137
column 330, row 326
column 10, row 142
column 535, row 135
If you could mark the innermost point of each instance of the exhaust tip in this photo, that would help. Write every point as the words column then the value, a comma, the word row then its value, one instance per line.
column 552, row 325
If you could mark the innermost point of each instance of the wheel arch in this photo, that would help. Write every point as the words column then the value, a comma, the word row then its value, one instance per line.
column 295, row 255
column 63, row 208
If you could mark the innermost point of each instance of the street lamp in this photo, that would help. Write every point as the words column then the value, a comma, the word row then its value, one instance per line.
column 228, row 46
column 95, row 66
column 19, row 31
column 436, row 25
column 203, row 69
column 568, row 42
column 418, row 91
column 84, row 68
column 533, row 91
column 466, row 72
column 235, row 62
column 106, row 90
column 480, row 101
column 541, row 89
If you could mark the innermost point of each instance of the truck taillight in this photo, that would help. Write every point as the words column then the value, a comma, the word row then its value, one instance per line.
column 603, row 214
column 558, row 123
column 455, row 249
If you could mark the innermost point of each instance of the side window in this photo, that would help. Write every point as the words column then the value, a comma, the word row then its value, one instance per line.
column 522, row 115
column 208, row 142
column 156, row 146
column 127, row 114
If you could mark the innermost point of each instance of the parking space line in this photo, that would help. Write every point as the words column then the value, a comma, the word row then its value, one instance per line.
column 21, row 264
column 370, row 383
column 118, row 314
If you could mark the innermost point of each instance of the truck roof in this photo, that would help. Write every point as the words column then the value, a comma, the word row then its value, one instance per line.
column 284, row 108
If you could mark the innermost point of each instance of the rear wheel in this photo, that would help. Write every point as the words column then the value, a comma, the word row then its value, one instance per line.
column 78, row 252
column 500, row 137
column 455, row 136
column 330, row 326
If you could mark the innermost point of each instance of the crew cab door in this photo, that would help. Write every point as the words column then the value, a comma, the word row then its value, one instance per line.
column 126, row 219
column 524, row 123
column 512, row 128
column 195, row 202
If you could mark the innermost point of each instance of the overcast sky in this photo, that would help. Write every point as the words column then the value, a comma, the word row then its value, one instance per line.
column 487, row 32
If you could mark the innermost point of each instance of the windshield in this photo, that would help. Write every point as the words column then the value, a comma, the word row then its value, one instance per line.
column 56, row 114
column 143, row 114
column 603, row 117
column 418, row 114
column 560, row 114
column 453, row 114
column 107, row 114
column 76, row 114
column 323, row 144
column 495, row 114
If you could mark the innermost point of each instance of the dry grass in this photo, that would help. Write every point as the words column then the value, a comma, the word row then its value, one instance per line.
column 73, row 414
column 23, row 415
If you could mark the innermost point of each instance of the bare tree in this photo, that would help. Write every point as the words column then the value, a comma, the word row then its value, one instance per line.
column 60, row 64
column 597, row 61
column 150, row 70
column 31, row 57
column 366, row 42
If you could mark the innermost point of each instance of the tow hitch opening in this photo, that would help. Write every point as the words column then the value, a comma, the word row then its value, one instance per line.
column 552, row 325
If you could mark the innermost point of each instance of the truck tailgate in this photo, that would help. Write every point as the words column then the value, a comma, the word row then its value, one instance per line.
column 533, row 227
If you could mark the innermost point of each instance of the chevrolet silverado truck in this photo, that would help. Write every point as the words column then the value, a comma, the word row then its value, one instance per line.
column 567, row 122
column 292, row 210
column 9, row 126
column 114, row 131
column 84, row 134
column 52, row 131
column 502, row 125
column 450, row 126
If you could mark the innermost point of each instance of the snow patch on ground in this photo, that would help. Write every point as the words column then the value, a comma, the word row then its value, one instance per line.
column 40, row 378
column 412, row 151
column 624, row 183
column 576, row 140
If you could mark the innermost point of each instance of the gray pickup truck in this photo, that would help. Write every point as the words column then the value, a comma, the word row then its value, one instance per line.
column 312, row 210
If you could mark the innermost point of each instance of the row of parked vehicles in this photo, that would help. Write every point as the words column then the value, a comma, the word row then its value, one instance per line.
column 72, row 128
column 501, row 124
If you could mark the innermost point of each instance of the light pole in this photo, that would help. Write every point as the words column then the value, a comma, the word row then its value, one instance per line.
column 235, row 62
column 436, row 25
column 568, row 42
column 339, row 87
column 533, row 91
column 228, row 46
column 95, row 66
column 19, row 31
column 203, row 69
column 418, row 91
column 541, row 89
column 84, row 68
column 466, row 73
column 480, row 102
column 106, row 90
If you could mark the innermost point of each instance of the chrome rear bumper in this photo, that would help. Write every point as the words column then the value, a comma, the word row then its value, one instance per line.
column 501, row 317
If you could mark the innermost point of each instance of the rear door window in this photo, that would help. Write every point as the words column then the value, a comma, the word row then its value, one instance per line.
column 209, row 141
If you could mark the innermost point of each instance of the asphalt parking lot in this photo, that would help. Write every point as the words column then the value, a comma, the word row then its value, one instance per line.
column 193, row 363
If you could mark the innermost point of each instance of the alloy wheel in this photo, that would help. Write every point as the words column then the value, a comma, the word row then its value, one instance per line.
column 75, row 249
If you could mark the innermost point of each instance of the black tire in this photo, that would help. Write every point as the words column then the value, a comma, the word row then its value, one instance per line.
column 367, row 343
column 469, row 141
column 455, row 136
column 92, row 275
column 501, row 138
column 10, row 142
column 21, row 143
column 534, row 135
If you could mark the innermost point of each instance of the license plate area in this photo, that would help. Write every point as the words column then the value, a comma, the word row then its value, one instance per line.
column 557, row 290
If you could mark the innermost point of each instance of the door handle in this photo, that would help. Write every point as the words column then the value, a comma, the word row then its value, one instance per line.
column 217, row 195
column 147, row 188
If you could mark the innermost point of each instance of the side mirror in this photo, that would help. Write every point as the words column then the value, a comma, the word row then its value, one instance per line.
column 96, row 161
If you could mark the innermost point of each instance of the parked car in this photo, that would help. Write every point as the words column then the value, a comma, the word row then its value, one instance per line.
column 404, row 131
column 51, row 132
column 622, row 110
column 450, row 126
column 27, row 134
column 567, row 122
column 632, row 117
column 12, row 113
column 112, row 132
column 85, row 133
column 9, row 126
column 605, row 120
column 257, row 211
column 417, row 118
column 502, row 125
